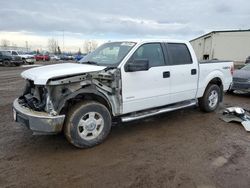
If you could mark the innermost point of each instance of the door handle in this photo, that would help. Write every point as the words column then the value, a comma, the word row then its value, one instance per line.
column 166, row 74
column 193, row 72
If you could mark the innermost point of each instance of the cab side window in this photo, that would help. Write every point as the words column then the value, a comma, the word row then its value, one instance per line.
column 151, row 52
column 14, row 53
column 179, row 54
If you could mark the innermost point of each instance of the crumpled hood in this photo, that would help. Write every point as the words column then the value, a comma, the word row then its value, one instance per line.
column 41, row 75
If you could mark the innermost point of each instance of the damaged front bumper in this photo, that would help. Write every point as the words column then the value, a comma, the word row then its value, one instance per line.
column 38, row 122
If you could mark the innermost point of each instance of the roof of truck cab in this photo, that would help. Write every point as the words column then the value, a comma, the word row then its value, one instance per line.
column 152, row 40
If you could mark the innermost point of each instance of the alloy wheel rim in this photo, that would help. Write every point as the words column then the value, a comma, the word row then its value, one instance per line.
column 213, row 99
column 90, row 125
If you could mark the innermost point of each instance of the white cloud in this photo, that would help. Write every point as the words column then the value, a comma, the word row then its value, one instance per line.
column 37, row 20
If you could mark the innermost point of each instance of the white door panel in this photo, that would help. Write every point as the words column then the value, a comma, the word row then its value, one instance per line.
column 183, row 84
column 183, row 72
column 145, row 89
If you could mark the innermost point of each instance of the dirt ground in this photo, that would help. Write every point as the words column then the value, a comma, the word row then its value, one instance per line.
column 185, row 148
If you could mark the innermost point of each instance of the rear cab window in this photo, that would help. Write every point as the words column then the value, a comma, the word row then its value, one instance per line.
column 178, row 54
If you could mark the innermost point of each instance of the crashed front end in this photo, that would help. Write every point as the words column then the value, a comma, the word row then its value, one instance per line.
column 32, row 111
column 40, row 108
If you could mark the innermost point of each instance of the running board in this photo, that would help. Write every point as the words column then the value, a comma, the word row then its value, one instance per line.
column 149, row 113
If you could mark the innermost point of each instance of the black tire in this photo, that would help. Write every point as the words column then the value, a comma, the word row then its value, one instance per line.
column 72, row 124
column 6, row 63
column 17, row 64
column 31, row 63
column 207, row 105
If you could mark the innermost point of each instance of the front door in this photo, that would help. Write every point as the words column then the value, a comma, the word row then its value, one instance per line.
column 146, row 89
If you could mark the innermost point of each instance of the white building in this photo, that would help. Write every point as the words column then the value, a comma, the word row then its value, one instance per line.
column 223, row 45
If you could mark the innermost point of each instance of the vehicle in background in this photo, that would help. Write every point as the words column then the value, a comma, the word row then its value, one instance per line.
column 54, row 58
column 6, row 59
column 63, row 57
column 26, row 58
column 66, row 57
column 247, row 60
column 241, row 79
column 42, row 57
column 119, row 81
column 78, row 57
column 70, row 57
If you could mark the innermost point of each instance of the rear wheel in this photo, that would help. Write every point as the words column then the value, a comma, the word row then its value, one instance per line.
column 88, row 124
column 211, row 98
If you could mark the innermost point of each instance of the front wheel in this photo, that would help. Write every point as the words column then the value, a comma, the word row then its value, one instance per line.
column 211, row 98
column 88, row 124
column 6, row 63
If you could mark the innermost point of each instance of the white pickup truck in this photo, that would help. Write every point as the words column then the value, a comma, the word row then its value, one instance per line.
column 26, row 58
column 118, row 81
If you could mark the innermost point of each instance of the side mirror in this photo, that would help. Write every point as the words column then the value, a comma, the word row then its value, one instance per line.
column 137, row 65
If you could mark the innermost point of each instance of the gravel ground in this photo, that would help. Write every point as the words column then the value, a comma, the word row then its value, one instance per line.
column 185, row 148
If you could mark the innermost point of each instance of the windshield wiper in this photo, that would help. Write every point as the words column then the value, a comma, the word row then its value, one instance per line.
column 90, row 62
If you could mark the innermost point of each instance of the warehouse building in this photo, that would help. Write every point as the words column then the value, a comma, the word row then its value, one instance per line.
column 223, row 45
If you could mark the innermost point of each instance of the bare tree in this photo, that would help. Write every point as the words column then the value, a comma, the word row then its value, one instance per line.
column 94, row 44
column 89, row 45
column 5, row 43
column 79, row 52
column 13, row 44
column 52, row 45
column 58, row 50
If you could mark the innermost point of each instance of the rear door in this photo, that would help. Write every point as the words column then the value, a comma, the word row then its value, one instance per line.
column 183, row 72
column 146, row 89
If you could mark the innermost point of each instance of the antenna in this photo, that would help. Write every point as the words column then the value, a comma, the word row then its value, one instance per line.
column 63, row 40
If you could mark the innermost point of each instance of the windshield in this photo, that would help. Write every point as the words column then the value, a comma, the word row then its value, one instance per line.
column 247, row 67
column 109, row 54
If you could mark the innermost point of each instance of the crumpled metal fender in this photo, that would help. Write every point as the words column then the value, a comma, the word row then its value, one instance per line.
column 85, row 91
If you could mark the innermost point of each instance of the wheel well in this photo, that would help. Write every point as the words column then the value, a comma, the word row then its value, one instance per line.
column 86, row 96
column 218, row 82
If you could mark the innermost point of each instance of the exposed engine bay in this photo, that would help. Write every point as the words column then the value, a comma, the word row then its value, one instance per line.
column 53, row 96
